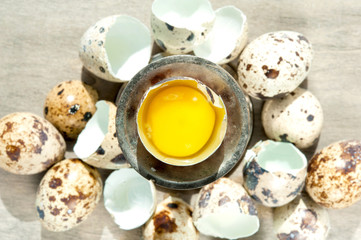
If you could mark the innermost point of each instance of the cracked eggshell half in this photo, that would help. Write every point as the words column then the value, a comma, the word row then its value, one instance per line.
column 227, row 38
column 172, row 220
column 97, row 144
column 301, row 219
column 274, row 172
column 129, row 198
column 334, row 175
column 68, row 193
column 295, row 118
column 29, row 144
column 224, row 209
column 69, row 106
column 179, row 26
column 116, row 48
column 274, row 64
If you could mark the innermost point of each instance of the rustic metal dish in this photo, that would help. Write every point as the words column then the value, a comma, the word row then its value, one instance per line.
column 239, row 125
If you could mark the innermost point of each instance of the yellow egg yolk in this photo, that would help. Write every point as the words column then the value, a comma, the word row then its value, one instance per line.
column 179, row 121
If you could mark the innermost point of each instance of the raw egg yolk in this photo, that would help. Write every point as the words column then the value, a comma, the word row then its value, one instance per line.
column 179, row 121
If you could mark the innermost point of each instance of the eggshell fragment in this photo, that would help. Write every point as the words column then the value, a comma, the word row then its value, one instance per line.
column 274, row 172
column 295, row 118
column 129, row 198
column 179, row 26
column 116, row 47
column 275, row 64
column 301, row 219
column 68, row 193
column 334, row 174
column 172, row 220
column 224, row 209
column 69, row 106
column 29, row 144
column 97, row 144
column 227, row 38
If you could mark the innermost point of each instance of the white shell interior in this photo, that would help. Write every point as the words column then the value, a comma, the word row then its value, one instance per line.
column 129, row 198
column 94, row 132
column 128, row 46
column 229, row 25
column 189, row 14
column 230, row 224
column 281, row 156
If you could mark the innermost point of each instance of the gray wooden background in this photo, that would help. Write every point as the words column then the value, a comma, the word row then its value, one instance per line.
column 39, row 48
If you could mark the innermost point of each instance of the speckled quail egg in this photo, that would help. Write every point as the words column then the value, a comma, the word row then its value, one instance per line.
column 172, row 220
column 295, row 118
column 274, row 172
column 334, row 175
column 301, row 219
column 97, row 144
column 69, row 106
column 129, row 198
column 227, row 38
column 179, row 26
column 224, row 209
column 68, row 193
column 116, row 47
column 29, row 144
column 275, row 64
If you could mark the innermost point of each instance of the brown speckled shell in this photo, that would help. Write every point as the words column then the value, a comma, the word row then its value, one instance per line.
column 296, row 118
column 220, row 195
column 334, row 175
column 29, row 144
column 274, row 64
column 67, row 194
column 69, row 106
column 108, row 155
column 172, row 220
column 303, row 219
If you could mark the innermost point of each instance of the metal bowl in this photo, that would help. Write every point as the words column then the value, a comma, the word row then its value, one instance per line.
column 239, row 122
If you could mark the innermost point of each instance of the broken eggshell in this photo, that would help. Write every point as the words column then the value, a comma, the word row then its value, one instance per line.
column 295, row 118
column 274, row 64
column 227, row 38
column 29, row 144
column 334, row 175
column 216, row 137
column 129, row 198
column 224, row 209
column 116, row 48
column 178, row 26
column 274, row 172
column 97, row 144
column 69, row 106
column 172, row 220
column 68, row 193
column 301, row 219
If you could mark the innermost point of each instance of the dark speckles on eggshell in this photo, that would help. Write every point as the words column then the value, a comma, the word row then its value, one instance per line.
column 13, row 152
column 161, row 44
column 310, row 118
column 40, row 213
column 87, row 116
column 251, row 207
column 204, row 198
column 190, row 37
column 100, row 43
column 163, row 223
column 309, row 220
column 172, row 205
column 55, row 182
column 119, row 159
column 100, row 151
column 303, row 38
column 293, row 235
column 101, row 30
column 297, row 190
column 210, row 94
column 251, row 172
column 283, row 137
column 224, row 200
column 102, row 69
column 170, row 27
column 46, row 110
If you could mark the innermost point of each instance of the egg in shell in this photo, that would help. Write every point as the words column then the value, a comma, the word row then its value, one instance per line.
column 224, row 209
column 334, row 175
column 179, row 26
column 68, row 193
column 181, row 121
column 275, row 64
column 97, row 144
column 301, row 219
column 295, row 118
column 69, row 106
column 129, row 198
column 172, row 220
column 29, row 144
column 274, row 172
column 116, row 47
column 227, row 38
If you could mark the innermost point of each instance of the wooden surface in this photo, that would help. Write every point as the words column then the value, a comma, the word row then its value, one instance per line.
column 39, row 47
